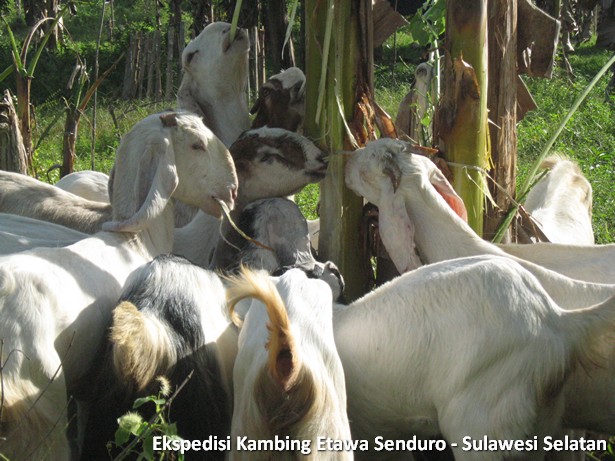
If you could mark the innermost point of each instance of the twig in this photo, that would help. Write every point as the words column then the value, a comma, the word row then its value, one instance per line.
column 239, row 231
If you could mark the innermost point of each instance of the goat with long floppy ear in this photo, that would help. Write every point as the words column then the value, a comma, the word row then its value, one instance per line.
column 55, row 302
column 395, row 227
column 437, row 214
column 152, row 193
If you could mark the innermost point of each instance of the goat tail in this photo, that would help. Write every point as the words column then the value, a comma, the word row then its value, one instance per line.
column 142, row 346
column 592, row 329
column 283, row 361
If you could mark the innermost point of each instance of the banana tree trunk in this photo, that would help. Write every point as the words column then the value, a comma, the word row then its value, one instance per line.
column 336, row 67
column 462, row 115
column 502, row 103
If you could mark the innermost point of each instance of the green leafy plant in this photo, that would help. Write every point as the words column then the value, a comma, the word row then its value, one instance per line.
column 24, row 73
column 136, row 435
column 428, row 24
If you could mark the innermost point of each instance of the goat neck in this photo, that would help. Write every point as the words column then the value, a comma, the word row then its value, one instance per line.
column 429, row 212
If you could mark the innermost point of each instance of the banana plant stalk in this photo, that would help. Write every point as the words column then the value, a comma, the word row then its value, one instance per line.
column 463, row 110
column 333, row 65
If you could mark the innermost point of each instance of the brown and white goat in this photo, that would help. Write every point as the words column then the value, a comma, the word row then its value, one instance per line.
column 281, row 101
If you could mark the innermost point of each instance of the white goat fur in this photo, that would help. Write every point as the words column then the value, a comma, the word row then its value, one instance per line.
column 561, row 203
column 19, row 233
column 26, row 196
column 54, row 301
column 288, row 378
column 591, row 263
column 215, row 79
column 419, row 199
column 91, row 185
column 421, row 203
column 487, row 355
column 213, row 86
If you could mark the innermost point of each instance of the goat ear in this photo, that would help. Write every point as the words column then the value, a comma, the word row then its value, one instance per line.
column 444, row 188
column 397, row 234
column 256, row 107
column 169, row 119
column 297, row 91
column 392, row 170
column 159, row 191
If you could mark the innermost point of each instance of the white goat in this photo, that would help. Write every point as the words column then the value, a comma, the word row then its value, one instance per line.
column 171, row 320
column 213, row 86
column 25, row 196
column 417, row 204
column 472, row 347
column 591, row 263
column 561, row 203
column 19, row 233
column 55, row 302
column 215, row 80
column 276, row 223
column 281, row 101
column 259, row 155
column 91, row 185
column 288, row 379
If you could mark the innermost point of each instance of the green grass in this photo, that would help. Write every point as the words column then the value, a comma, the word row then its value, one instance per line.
column 49, row 153
column 589, row 137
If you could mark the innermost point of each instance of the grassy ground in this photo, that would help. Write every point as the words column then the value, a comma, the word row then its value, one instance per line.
column 589, row 136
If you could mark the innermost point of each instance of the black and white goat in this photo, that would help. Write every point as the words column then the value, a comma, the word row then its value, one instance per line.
column 171, row 321
column 281, row 241
column 260, row 155
column 55, row 302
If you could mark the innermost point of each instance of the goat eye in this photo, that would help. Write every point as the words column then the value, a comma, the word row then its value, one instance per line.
column 198, row 146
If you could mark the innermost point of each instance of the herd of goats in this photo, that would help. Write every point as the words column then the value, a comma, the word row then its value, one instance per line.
column 109, row 283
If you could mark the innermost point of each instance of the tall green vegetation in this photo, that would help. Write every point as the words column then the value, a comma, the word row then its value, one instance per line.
column 334, row 71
